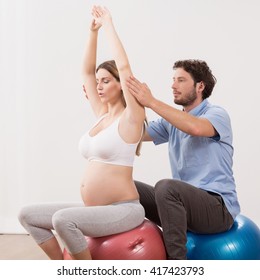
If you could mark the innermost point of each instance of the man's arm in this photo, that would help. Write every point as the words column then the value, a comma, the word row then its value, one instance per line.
column 182, row 120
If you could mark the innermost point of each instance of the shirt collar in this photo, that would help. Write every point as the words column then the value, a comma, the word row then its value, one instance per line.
column 200, row 108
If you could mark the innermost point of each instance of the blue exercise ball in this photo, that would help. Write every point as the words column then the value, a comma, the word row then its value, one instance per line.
column 241, row 242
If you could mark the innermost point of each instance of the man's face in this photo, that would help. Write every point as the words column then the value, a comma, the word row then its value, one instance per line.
column 184, row 89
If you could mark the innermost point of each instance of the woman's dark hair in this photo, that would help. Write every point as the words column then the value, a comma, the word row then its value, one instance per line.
column 200, row 72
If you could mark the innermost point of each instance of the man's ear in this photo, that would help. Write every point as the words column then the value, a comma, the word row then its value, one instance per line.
column 201, row 86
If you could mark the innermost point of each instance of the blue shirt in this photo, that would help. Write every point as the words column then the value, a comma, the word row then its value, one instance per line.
column 204, row 162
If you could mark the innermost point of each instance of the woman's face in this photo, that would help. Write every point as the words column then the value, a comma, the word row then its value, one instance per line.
column 108, row 88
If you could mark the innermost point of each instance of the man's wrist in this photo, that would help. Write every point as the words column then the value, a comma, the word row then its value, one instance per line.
column 153, row 104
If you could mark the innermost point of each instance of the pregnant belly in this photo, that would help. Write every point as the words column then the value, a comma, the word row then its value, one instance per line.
column 104, row 184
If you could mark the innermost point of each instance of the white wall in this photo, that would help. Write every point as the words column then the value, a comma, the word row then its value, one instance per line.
column 43, row 112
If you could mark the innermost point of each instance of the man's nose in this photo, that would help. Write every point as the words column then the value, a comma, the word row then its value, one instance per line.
column 174, row 85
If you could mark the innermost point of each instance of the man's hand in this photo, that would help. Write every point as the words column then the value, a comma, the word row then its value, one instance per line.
column 140, row 91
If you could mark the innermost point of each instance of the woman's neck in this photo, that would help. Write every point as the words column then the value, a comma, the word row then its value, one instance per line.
column 115, row 110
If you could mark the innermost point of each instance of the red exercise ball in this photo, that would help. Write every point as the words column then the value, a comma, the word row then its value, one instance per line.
column 141, row 243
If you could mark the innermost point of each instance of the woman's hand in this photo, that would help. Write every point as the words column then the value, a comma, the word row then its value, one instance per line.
column 101, row 15
column 94, row 25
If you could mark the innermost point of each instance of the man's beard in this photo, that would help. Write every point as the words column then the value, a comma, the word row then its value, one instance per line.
column 187, row 100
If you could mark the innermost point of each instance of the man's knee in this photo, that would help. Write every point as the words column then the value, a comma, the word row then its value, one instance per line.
column 167, row 187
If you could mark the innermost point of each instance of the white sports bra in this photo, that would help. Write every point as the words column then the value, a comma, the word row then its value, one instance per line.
column 107, row 146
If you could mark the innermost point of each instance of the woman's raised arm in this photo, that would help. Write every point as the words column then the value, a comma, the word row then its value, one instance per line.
column 135, row 111
column 89, row 71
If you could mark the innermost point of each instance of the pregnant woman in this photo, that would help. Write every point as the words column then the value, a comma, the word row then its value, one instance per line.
column 110, row 201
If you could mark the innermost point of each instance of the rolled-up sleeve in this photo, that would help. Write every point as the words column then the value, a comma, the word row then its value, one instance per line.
column 159, row 131
column 221, row 122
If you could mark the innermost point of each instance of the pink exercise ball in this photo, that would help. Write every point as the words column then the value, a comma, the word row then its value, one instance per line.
column 144, row 242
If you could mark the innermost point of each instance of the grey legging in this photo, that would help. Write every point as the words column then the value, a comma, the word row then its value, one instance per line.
column 74, row 221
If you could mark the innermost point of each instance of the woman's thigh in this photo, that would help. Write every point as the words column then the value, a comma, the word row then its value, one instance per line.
column 96, row 221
